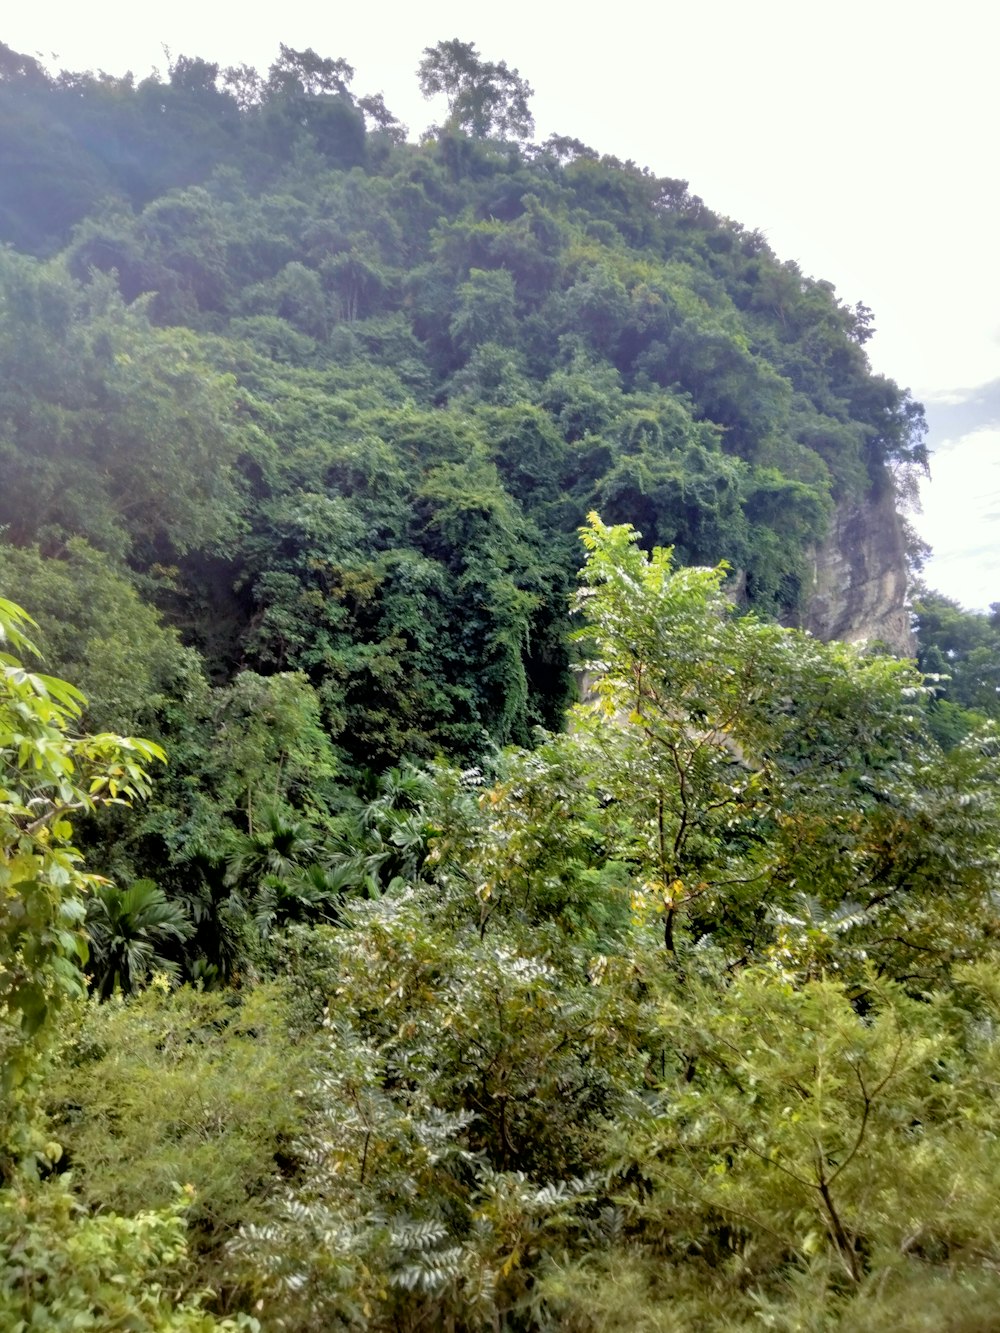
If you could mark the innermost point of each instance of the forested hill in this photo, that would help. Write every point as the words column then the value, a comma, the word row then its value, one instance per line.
column 336, row 993
column 336, row 403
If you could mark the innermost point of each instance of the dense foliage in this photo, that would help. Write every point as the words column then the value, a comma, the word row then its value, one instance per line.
column 336, row 403
column 684, row 1018
column 392, row 1002
column 960, row 652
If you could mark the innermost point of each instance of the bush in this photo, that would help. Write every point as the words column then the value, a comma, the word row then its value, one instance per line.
column 165, row 1089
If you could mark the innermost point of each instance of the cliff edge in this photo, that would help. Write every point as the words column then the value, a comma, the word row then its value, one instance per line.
column 859, row 579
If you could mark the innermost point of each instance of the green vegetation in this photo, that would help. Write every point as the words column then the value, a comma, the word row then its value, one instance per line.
column 299, row 421
column 392, row 1001
column 960, row 651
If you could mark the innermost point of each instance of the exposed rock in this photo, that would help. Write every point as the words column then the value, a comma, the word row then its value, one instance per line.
column 859, row 581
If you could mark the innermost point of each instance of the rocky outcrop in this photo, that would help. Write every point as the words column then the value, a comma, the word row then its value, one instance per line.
column 859, row 579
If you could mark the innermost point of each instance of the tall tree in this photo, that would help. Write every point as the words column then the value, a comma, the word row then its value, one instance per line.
column 485, row 98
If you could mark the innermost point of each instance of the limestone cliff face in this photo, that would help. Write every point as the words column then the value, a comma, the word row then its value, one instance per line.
column 858, row 588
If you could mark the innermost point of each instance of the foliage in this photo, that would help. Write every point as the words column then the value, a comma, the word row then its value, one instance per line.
column 730, row 789
column 683, row 1017
column 62, row 1269
column 125, row 929
column 484, row 97
column 110, row 429
column 959, row 651
column 49, row 776
column 95, row 629
column 59, row 1267
column 273, row 375
column 192, row 1087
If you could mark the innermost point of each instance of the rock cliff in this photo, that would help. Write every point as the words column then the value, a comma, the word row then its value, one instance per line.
column 858, row 588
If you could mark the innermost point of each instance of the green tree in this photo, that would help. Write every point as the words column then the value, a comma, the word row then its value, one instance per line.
column 94, row 628
column 486, row 311
column 110, row 429
column 193, row 1085
column 309, row 73
column 746, row 762
column 49, row 776
column 61, row 1267
column 127, row 928
column 307, row 96
column 485, row 97
column 962, row 648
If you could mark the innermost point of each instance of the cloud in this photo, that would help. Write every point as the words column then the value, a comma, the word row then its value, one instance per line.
column 957, row 413
column 961, row 516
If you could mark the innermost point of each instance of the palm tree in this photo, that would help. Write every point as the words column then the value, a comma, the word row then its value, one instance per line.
column 275, row 873
column 127, row 928
column 278, row 846
column 311, row 894
column 389, row 842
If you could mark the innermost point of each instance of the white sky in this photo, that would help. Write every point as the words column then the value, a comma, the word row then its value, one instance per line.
column 860, row 137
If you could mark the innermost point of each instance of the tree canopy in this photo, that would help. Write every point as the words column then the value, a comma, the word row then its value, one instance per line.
column 484, row 97
column 525, row 931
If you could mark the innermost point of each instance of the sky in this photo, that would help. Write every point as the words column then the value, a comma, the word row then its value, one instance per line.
column 858, row 137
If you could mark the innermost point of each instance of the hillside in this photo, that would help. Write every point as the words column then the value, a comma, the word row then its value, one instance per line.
column 373, row 388
column 378, row 986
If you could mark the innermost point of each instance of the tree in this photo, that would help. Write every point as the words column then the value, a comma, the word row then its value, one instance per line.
column 127, row 928
column 376, row 113
column 485, row 98
column 745, row 764
column 306, row 91
column 110, row 429
column 963, row 648
column 95, row 629
column 48, row 776
column 306, row 72
column 63, row 1267
column 486, row 311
